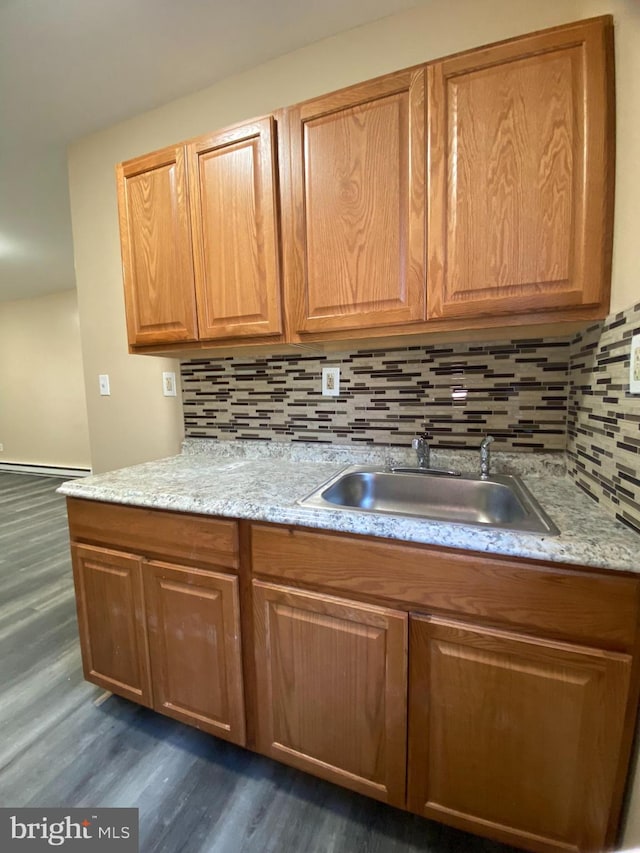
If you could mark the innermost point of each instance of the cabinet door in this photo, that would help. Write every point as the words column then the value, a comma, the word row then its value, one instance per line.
column 111, row 621
column 193, row 620
column 331, row 682
column 157, row 258
column 521, row 158
column 514, row 737
column 233, row 184
column 355, row 227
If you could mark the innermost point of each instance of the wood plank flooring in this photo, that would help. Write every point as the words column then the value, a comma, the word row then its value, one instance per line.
column 59, row 746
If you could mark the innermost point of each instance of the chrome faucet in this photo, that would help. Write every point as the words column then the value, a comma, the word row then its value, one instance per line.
column 421, row 446
column 485, row 457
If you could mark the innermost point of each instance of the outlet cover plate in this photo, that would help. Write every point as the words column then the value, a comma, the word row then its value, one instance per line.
column 169, row 384
column 330, row 381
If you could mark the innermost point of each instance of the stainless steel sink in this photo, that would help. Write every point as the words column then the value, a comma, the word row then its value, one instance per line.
column 501, row 501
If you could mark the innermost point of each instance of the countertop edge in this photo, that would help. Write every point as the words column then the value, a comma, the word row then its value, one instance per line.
column 455, row 536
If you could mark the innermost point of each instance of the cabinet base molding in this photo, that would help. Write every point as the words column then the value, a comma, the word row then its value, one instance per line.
column 496, row 831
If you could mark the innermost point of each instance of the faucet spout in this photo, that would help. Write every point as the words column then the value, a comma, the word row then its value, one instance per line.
column 485, row 457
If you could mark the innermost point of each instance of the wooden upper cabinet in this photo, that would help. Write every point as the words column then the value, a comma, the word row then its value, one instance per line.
column 461, row 193
column 331, row 683
column 521, row 174
column 157, row 258
column 354, row 229
column 193, row 620
column 110, row 607
column 515, row 737
column 234, row 212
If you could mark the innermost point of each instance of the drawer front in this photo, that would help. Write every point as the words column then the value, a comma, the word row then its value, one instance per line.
column 586, row 606
column 195, row 539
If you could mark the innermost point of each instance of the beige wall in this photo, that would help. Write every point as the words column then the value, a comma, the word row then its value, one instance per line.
column 43, row 416
column 626, row 246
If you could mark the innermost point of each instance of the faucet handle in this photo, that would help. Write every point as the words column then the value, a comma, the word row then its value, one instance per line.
column 420, row 444
column 420, row 439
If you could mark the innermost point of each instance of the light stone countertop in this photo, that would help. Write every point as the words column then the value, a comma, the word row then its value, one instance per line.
column 262, row 481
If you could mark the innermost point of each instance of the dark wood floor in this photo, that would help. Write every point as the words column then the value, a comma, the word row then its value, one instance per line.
column 61, row 746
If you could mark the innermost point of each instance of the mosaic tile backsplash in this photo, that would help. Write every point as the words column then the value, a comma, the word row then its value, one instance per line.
column 604, row 418
column 517, row 391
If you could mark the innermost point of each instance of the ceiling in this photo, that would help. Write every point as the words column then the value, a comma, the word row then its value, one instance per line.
column 71, row 67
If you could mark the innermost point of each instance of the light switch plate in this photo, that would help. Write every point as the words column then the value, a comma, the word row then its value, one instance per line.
column 330, row 381
column 103, row 384
column 169, row 384
column 634, row 366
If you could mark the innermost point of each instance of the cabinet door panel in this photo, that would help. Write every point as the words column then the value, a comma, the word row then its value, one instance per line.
column 356, row 243
column 520, row 153
column 111, row 621
column 156, row 248
column 331, row 680
column 514, row 737
column 193, row 620
column 234, row 214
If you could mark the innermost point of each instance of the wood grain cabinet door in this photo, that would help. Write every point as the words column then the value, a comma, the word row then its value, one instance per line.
column 521, row 159
column 193, row 620
column 157, row 257
column 514, row 737
column 234, row 211
column 111, row 621
column 331, row 683
column 354, row 225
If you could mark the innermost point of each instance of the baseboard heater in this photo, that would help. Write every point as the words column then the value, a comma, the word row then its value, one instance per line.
column 46, row 470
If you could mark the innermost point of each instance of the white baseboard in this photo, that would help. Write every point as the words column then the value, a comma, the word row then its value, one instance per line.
column 44, row 470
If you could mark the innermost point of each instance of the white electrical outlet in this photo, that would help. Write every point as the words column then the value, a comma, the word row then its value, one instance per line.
column 634, row 366
column 103, row 384
column 330, row 381
column 169, row 384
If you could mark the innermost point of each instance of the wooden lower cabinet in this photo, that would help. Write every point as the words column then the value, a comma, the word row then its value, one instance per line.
column 495, row 695
column 162, row 635
column 110, row 607
column 514, row 737
column 331, row 685
column 193, row 620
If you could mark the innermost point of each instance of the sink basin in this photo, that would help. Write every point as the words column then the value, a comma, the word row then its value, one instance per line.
column 502, row 501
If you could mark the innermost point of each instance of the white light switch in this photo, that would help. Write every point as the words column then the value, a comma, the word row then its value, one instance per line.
column 169, row 384
column 103, row 383
column 330, row 381
column 634, row 366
